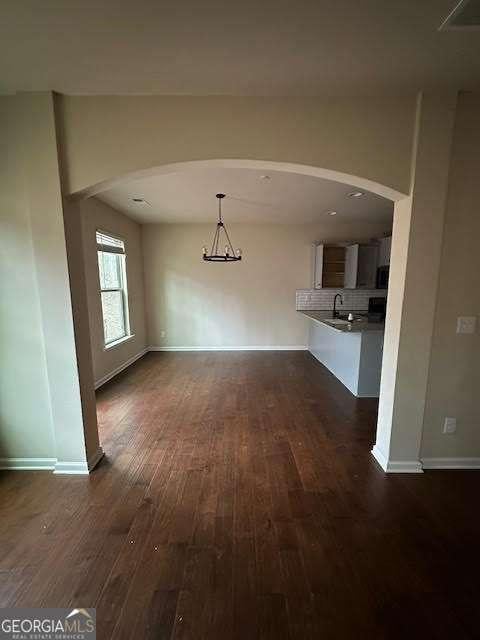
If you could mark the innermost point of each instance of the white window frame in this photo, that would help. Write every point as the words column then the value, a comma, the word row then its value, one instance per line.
column 123, row 289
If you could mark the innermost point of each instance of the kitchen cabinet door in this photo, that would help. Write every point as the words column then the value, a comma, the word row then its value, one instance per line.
column 318, row 266
column 351, row 266
column 384, row 251
column 367, row 267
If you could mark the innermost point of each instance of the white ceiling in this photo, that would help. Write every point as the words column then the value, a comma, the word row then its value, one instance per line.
column 189, row 196
column 241, row 47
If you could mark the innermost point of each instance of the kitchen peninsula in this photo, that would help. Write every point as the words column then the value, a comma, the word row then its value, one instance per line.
column 352, row 351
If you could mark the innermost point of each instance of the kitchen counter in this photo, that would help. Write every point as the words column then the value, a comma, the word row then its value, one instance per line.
column 360, row 323
column 352, row 351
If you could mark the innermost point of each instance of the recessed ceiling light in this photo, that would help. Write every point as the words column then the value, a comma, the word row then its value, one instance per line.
column 140, row 201
column 265, row 178
column 356, row 194
column 331, row 213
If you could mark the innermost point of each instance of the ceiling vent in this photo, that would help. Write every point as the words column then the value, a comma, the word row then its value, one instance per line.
column 465, row 16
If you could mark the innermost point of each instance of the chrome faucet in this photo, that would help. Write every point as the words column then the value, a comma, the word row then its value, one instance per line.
column 337, row 295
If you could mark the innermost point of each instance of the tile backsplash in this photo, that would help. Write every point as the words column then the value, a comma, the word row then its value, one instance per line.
column 353, row 299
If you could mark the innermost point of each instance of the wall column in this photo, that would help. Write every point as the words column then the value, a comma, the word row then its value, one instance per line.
column 76, row 450
column 415, row 266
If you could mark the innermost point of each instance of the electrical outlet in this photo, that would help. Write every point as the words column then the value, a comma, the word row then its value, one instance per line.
column 466, row 324
column 450, row 425
column 162, row 334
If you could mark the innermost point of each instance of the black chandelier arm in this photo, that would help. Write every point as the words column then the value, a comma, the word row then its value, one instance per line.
column 229, row 241
column 215, row 241
column 219, row 231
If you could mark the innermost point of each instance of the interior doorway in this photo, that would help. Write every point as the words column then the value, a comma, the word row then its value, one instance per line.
column 131, row 189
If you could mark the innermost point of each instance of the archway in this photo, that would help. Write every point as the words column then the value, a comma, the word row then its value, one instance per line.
column 400, row 241
column 263, row 165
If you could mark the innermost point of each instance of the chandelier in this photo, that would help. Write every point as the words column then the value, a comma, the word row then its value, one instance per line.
column 229, row 254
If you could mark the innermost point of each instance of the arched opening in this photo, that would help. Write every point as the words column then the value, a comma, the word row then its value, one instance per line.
column 97, row 190
column 264, row 165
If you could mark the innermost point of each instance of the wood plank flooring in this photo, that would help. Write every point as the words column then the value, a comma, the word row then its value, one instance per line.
column 239, row 500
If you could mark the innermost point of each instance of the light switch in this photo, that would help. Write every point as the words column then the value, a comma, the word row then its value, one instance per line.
column 466, row 324
column 450, row 425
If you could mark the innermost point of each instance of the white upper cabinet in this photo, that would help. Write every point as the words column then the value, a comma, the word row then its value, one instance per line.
column 367, row 266
column 351, row 266
column 384, row 249
column 317, row 266
column 360, row 266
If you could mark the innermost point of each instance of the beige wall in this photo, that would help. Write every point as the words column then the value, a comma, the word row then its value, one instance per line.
column 250, row 303
column 408, row 346
column 71, row 408
column 44, row 409
column 454, row 380
column 393, row 324
column 26, row 424
column 95, row 214
column 107, row 137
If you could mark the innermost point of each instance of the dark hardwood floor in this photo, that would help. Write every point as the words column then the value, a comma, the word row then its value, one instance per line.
column 238, row 500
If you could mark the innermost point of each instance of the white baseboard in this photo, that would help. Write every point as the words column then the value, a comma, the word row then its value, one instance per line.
column 451, row 463
column 79, row 468
column 71, row 468
column 248, row 348
column 52, row 464
column 396, row 466
column 379, row 457
column 404, row 466
column 364, row 395
column 120, row 368
column 28, row 464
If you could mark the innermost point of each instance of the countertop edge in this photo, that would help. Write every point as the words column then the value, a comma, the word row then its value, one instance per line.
column 354, row 327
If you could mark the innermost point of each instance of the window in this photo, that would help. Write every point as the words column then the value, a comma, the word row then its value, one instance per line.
column 113, row 287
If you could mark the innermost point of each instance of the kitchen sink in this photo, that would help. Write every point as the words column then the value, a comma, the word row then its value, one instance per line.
column 356, row 317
